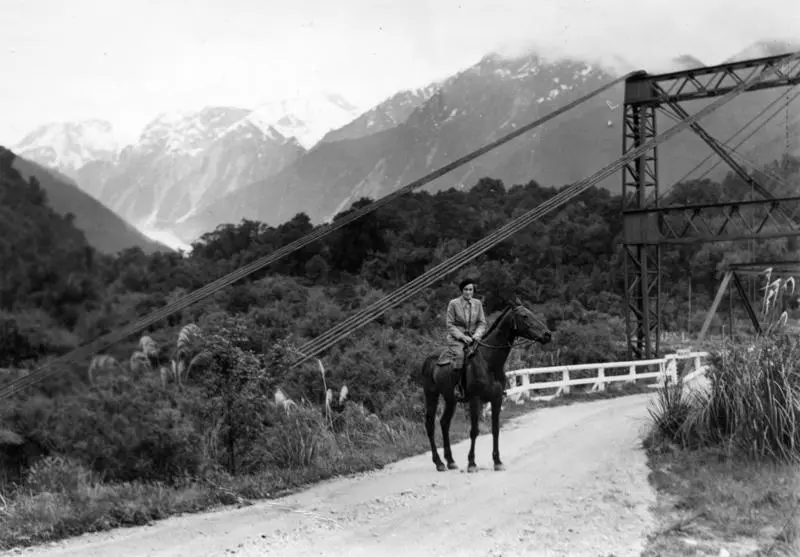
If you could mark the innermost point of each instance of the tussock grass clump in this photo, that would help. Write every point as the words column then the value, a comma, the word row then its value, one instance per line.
column 301, row 438
column 737, row 473
column 752, row 403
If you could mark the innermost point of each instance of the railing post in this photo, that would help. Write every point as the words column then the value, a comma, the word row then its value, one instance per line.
column 632, row 374
column 526, row 383
column 565, row 378
column 671, row 369
column 601, row 380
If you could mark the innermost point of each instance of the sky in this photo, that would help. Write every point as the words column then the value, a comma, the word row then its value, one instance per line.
column 128, row 61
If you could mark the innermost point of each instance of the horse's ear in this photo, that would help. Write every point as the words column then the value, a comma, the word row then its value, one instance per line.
column 516, row 301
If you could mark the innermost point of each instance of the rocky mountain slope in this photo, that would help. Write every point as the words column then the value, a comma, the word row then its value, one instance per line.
column 190, row 172
column 103, row 229
column 386, row 115
column 463, row 113
column 307, row 119
column 183, row 161
column 68, row 146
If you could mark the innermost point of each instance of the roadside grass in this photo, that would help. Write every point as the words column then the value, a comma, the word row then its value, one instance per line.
column 708, row 501
column 725, row 455
column 74, row 501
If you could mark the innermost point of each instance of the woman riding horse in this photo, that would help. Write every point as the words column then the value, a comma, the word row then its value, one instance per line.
column 466, row 323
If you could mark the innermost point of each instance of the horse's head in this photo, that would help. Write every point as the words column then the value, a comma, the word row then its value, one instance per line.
column 527, row 325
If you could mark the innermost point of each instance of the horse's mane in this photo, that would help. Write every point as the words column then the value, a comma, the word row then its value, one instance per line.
column 497, row 321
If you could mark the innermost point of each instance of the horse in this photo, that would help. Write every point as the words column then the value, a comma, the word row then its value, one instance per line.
column 485, row 381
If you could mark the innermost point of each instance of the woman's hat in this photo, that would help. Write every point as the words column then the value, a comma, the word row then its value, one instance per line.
column 466, row 282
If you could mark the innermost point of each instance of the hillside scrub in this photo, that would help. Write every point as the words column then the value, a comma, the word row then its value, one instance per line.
column 184, row 426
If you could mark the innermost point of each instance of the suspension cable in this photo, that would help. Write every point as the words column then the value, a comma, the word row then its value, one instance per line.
column 730, row 149
column 480, row 246
column 365, row 316
column 209, row 289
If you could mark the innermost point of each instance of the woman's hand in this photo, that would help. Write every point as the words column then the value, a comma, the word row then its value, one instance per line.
column 467, row 339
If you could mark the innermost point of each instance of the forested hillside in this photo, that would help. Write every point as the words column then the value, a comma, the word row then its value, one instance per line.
column 106, row 231
column 124, row 424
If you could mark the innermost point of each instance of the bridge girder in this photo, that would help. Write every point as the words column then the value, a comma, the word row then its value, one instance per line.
column 647, row 225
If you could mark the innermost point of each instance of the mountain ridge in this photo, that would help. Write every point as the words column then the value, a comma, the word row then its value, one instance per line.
column 264, row 174
column 106, row 231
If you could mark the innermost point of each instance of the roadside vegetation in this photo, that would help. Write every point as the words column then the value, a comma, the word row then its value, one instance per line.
column 725, row 453
column 202, row 409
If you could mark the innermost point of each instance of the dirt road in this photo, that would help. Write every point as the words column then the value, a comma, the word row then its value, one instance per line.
column 575, row 484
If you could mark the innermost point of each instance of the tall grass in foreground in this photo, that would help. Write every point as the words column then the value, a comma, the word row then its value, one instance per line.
column 752, row 404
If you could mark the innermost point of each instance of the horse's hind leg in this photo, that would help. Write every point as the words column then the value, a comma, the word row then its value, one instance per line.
column 474, row 411
column 447, row 418
column 496, row 406
column 431, row 404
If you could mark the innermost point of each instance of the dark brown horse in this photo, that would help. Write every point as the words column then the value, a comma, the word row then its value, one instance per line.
column 485, row 381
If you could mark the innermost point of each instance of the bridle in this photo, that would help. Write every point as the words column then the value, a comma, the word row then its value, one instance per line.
column 515, row 330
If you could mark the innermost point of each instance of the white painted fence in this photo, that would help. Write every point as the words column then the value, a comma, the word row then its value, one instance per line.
column 667, row 367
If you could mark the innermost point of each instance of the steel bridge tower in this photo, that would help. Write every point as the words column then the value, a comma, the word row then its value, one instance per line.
column 647, row 225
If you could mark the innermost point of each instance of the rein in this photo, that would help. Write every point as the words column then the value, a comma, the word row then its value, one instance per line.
column 510, row 345
column 525, row 342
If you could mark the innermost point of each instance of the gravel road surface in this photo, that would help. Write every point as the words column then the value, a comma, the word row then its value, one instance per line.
column 575, row 485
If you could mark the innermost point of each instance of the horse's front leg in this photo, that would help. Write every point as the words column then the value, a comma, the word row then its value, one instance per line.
column 496, row 406
column 447, row 418
column 474, row 414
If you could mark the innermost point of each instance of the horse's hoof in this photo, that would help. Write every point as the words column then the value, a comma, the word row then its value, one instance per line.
column 452, row 466
column 440, row 467
column 499, row 467
column 472, row 468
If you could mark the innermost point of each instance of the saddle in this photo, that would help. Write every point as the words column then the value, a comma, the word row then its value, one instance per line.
column 449, row 356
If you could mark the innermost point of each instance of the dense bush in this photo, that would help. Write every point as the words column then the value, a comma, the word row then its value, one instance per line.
column 140, row 435
column 751, row 404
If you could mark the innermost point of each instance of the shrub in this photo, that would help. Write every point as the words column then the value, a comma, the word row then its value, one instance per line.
column 300, row 438
column 57, row 474
column 753, row 403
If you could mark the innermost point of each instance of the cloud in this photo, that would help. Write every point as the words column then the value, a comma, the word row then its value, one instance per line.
column 128, row 62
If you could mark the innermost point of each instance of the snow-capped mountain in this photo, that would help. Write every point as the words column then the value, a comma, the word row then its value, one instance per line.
column 68, row 146
column 460, row 114
column 185, row 160
column 685, row 62
column 766, row 48
column 388, row 114
column 193, row 170
column 451, row 118
column 306, row 119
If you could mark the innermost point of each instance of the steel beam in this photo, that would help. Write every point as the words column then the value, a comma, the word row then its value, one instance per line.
column 712, row 222
column 751, row 313
column 647, row 226
column 721, row 151
column 711, row 81
column 777, row 268
column 730, row 274
column 715, row 305
column 642, row 260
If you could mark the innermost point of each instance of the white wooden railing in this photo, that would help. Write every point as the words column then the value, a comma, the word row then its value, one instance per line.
column 667, row 367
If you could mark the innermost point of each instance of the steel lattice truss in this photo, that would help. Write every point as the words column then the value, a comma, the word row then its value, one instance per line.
column 714, row 222
column 711, row 81
column 647, row 226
